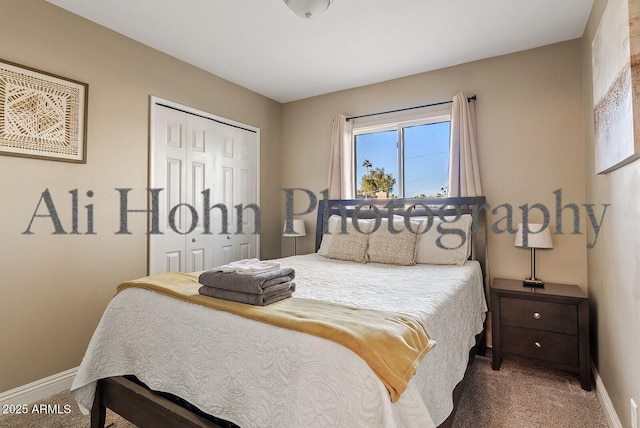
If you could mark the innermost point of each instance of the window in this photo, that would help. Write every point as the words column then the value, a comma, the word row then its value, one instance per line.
column 414, row 155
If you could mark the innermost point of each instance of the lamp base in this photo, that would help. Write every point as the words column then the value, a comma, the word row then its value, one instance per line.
column 532, row 282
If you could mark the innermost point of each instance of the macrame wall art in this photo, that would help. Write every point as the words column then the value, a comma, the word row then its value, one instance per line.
column 42, row 115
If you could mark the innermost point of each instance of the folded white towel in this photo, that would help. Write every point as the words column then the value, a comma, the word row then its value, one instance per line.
column 249, row 267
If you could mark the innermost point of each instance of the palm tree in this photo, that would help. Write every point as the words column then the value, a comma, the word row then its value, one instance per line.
column 367, row 164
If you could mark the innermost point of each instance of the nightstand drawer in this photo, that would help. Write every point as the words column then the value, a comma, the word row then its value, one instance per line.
column 547, row 316
column 542, row 345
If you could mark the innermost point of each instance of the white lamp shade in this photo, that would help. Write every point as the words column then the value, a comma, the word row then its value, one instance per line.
column 536, row 238
column 298, row 228
column 308, row 8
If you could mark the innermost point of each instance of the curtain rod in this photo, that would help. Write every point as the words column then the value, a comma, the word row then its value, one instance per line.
column 473, row 98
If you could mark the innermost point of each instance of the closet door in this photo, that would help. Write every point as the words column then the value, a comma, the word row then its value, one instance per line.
column 224, row 230
column 182, row 162
column 235, row 184
column 245, row 191
column 192, row 153
column 199, row 177
column 168, row 151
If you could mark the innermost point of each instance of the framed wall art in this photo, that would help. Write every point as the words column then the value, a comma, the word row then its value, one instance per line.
column 42, row 115
column 616, row 85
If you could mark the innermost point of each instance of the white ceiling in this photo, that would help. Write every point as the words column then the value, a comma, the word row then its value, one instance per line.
column 264, row 46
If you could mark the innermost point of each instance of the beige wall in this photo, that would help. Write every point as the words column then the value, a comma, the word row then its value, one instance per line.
column 54, row 288
column 530, row 130
column 614, row 265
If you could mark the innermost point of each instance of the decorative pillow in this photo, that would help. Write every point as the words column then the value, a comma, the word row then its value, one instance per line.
column 351, row 246
column 454, row 249
column 393, row 248
column 333, row 228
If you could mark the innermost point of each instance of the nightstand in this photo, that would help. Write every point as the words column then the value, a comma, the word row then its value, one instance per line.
column 547, row 325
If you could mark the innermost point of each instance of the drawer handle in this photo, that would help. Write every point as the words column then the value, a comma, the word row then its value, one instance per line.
column 537, row 345
column 537, row 315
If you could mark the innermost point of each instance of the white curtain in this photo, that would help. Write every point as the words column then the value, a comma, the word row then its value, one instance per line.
column 341, row 160
column 464, row 174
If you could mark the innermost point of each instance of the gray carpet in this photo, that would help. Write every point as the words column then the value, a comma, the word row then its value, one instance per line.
column 74, row 419
column 524, row 395
column 518, row 396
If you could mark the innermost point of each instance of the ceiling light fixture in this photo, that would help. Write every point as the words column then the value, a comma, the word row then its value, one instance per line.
column 308, row 8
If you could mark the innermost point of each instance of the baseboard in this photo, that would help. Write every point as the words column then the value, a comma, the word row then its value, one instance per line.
column 40, row 389
column 605, row 401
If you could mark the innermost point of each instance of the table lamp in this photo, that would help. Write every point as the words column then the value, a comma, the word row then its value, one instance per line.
column 298, row 230
column 536, row 238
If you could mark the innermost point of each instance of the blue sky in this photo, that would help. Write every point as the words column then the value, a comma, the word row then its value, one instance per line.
column 426, row 157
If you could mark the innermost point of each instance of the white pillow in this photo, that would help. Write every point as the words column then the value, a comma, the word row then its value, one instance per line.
column 327, row 238
column 456, row 250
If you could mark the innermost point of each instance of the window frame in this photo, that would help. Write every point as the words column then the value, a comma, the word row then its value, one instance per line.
column 391, row 122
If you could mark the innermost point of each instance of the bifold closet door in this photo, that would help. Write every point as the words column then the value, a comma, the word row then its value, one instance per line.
column 189, row 155
column 182, row 165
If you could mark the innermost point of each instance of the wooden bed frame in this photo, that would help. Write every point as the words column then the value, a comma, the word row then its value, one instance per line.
column 146, row 408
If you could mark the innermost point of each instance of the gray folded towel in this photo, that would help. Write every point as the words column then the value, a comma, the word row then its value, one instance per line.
column 254, row 284
column 250, row 298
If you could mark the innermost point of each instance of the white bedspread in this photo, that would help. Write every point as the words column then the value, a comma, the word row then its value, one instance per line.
column 271, row 377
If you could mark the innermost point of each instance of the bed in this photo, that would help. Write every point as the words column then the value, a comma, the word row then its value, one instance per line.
column 158, row 360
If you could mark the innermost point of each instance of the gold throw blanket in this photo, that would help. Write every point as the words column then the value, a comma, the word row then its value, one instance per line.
column 392, row 344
